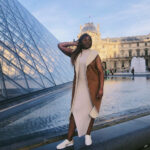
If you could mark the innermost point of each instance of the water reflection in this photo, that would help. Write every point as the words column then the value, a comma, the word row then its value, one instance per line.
column 120, row 94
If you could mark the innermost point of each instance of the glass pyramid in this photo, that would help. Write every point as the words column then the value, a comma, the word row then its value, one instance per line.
column 29, row 57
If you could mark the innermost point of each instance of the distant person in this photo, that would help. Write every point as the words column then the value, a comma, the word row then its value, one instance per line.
column 107, row 71
column 111, row 71
column 132, row 71
column 86, row 98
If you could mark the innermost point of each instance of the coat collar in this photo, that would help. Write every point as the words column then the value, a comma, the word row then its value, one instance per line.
column 92, row 55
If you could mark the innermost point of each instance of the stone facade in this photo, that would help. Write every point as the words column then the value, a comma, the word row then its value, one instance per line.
column 117, row 53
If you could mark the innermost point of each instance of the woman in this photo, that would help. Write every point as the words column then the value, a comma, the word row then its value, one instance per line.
column 87, row 89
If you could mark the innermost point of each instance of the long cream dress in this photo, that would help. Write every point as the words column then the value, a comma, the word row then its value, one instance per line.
column 82, row 106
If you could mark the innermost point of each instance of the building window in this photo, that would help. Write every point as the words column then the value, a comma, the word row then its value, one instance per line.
column 115, row 54
column 137, row 43
column 130, row 53
column 146, row 52
column 122, row 63
column 122, row 52
column 129, row 44
column 115, row 64
column 130, row 62
column 145, row 44
column 138, row 52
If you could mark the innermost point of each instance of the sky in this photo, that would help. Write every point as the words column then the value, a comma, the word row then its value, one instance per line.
column 117, row 18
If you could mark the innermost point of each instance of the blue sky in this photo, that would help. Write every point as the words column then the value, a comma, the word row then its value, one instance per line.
column 117, row 18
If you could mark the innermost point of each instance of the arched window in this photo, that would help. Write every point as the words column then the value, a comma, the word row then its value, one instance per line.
column 122, row 63
column 138, row 52
column 130, row 53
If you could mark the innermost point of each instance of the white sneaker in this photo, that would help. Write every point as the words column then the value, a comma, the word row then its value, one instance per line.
column 65, row 143
column 88, row 139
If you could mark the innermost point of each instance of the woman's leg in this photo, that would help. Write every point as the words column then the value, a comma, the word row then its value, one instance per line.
column 90, row 126
column 72, row 127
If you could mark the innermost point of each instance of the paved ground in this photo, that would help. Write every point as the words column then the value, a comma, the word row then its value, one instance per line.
column 130, row 135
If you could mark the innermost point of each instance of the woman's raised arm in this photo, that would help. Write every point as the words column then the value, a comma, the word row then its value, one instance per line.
column 63, row 46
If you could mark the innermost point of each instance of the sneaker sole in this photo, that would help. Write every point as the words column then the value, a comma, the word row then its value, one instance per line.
column 88, row 144
column 65, row 146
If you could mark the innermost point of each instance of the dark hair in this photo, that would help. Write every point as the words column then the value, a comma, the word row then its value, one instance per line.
column 79, row 48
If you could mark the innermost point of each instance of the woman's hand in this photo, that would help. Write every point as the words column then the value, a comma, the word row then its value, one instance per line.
column 76, row 43
column 99, row 94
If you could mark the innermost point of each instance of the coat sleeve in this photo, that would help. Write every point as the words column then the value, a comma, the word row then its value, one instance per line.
column 100, row 71
column 99, row 64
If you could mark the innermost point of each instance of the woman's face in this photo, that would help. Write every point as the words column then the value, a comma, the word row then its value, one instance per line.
column 86, row 42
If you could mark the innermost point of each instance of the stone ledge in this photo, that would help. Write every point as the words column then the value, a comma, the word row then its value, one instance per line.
column 130, row 135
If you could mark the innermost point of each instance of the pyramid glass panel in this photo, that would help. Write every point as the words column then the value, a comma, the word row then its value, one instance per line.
column 29, row 57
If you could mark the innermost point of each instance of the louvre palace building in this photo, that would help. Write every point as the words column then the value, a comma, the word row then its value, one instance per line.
column 117, row 53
